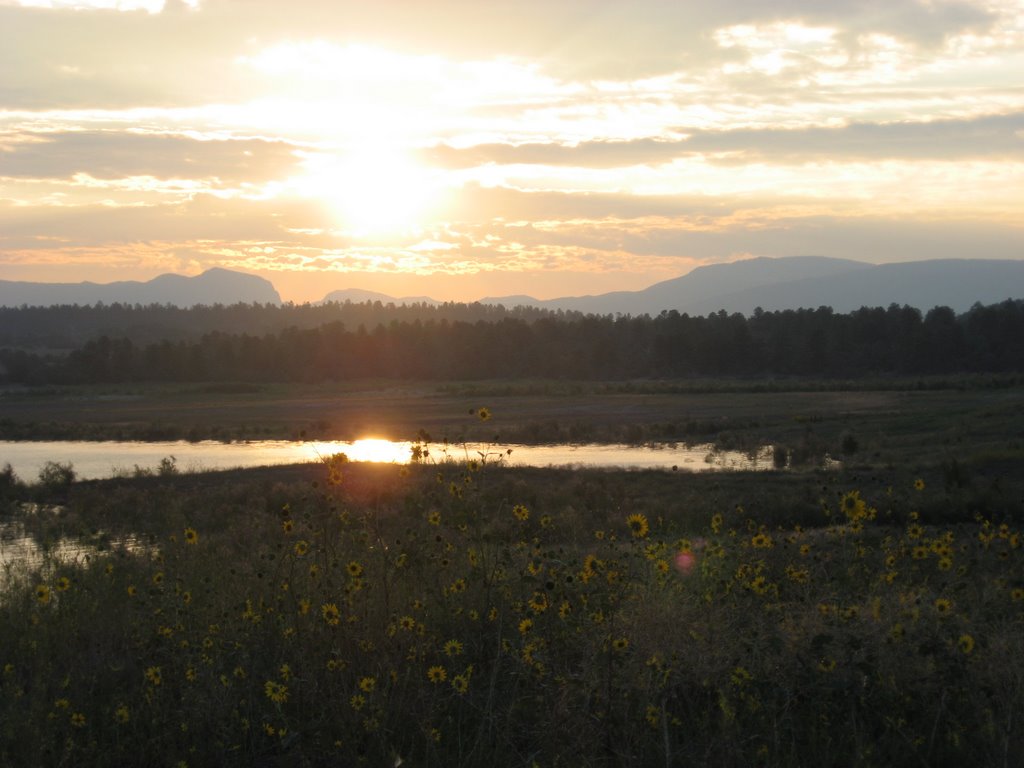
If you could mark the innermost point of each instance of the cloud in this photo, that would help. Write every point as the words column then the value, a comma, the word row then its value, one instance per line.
column 988, row 137
column 118, row 154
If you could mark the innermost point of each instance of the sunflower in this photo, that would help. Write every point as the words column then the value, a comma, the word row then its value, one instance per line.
column 620, row 644
column 437, row 674
column 853, row 506
column 943, row 606
column 331, row 614
column 191, row 537
column 453, row 648
column 301, row 548
column 919, row 484
column 367, row 684
column 153, row 675
column 965, row 644
column 354, row 569
column 521, row 513
column 276, row 692
column 484, row 414
column 42, row 594
column 638, row 525
column 461, row 684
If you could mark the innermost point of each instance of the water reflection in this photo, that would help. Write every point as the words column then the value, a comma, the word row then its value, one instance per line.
column 93, row 460
column 21, row 553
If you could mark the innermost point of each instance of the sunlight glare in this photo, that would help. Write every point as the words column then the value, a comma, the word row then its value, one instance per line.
column 373, row 189
column 375, row 449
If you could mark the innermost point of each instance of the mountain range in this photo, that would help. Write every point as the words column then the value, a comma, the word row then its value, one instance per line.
column 769, row 283
column 215, row 286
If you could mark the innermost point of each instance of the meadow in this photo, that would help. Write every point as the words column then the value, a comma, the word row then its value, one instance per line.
column 468, row 613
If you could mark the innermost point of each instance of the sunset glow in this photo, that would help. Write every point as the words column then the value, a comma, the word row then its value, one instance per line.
column 459, row 151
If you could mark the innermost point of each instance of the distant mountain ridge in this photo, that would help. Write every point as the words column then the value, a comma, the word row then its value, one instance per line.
column 215, row 286
column 792, row 282
column 797, row 282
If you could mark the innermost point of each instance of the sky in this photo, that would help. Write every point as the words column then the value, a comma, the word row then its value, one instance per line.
column 465, row 148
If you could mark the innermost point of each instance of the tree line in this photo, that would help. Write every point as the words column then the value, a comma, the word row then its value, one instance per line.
column 806, row 342
column 65, row 327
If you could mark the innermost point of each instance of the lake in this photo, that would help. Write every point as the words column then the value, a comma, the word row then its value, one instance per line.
column 94, row 460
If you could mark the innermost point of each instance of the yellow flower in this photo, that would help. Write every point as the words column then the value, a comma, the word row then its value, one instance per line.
column 191, row 537
column 153, row 675
column 287, row 526
column 762, row 541
column 78, row 720
column 538, row 602
column 132, row 590
column 461, row 684
column 919, row 484
column 357, row 702
column 942, row 606
column 354, row 569
column 367, row 684
column 620, row 644
column 301, row 548
column 521, row 512
column 638, row 525
column 437, row 674
column 158, row 578
column 853, row 506
column 525, row 626
column 63, row 584
column 331, row 614
column 434, row 518
column 484, row 414
column 276, row 692
column 453, row 648
column 407, row 623
column 122, row 714
column 966, row 643
column 42, row 594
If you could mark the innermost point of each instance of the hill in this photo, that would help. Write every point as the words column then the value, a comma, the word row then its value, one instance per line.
column 215, row 286
column 807, row 282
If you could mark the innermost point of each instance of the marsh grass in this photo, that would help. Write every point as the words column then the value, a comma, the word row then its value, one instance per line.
column 462, row 613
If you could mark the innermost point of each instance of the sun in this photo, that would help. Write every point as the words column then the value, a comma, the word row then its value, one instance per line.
column 372, row 189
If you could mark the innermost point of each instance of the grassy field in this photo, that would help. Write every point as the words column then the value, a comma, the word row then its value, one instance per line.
column 463, row 614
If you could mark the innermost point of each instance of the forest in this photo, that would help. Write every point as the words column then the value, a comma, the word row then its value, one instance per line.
column 432, row 343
